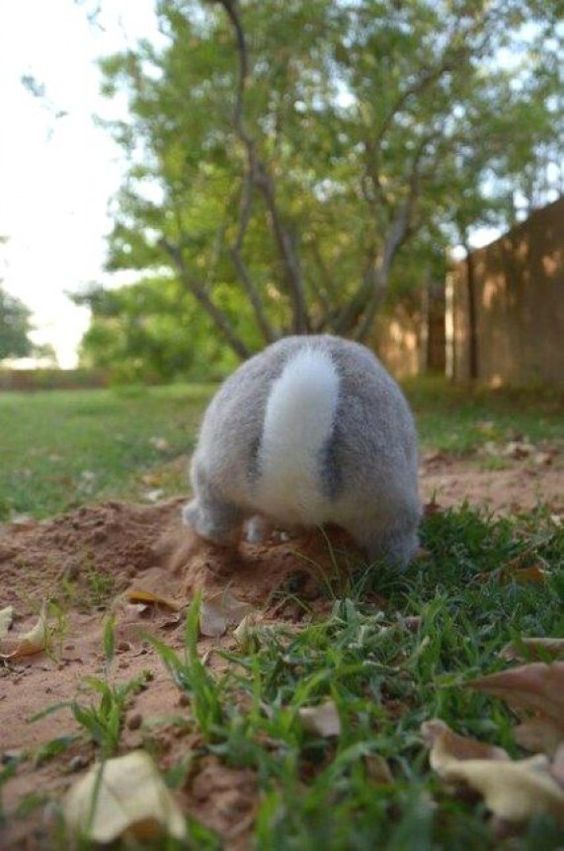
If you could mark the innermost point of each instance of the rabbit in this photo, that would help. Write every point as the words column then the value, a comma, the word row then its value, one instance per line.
column 311, row 431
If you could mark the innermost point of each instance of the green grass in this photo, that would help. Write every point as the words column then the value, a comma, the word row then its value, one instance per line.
column 60, row 449
column 460, row 418
column 385, row 679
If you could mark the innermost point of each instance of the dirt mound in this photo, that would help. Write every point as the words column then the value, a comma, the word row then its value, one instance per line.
column 96, row 552
column 90, row 562
column 521, row 487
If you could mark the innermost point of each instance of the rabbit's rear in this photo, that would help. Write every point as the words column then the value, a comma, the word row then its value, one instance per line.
column 313, row 430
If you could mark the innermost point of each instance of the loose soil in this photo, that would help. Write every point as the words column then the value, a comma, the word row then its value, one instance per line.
column 90, row 560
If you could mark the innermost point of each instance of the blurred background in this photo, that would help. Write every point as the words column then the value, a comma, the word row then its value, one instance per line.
column 184, row 181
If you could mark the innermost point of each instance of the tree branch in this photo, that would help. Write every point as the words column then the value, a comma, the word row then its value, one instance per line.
column 259, row 175
column 397, row 234
column 194, row 286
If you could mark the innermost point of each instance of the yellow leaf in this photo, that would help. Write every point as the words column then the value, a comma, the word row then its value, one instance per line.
column 125, row 795
column 140, row 595
column 30, row 642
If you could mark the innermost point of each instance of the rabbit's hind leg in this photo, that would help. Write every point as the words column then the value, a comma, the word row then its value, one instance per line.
column 217, row 521
column 392, row 543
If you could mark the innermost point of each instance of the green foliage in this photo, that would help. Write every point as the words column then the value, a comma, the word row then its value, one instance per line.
column 14, row 327
column 362, row 139
column 83, row 445
column 152, row 331
column 191, row 676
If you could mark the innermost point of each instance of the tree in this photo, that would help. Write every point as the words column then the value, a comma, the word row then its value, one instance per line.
column 14, row 327
column 151, row 331
column 285, row 156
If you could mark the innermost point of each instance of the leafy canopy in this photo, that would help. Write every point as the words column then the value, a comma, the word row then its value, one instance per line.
column 292, row 165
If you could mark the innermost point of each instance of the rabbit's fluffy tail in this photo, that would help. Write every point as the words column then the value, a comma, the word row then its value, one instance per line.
column 299, row 418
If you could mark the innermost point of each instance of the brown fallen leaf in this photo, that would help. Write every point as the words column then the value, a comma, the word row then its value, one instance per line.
column 6, row 616
column 29, row 643
column 446, row 745
column 534, row 573
column 378, row 769
column 221, row 611
column 322, row 720
column 537, row 688
column 527, row 648
column 124, row 795
column 140, row 595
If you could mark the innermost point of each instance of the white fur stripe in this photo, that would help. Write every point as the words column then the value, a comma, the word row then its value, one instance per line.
column 299, row 416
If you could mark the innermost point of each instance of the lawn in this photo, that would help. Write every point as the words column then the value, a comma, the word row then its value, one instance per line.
column 60, row 449
column 389, row 651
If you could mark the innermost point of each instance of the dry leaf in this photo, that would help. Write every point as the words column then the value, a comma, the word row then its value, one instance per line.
column 322, row 720
column 527, row 648
column 518, row 449
column 538, row 734
column 557, row 768
column 30, row 642
column 123, row 795
column 543, row 459
column 140, row 595
column 378, row 769
column 534, row 573
column 6, row 616
column 539, row 688
column 220, row 611
column 246, row 630
column 446, row 745
column 159, row 443
column 153, row 495
column 513, row 791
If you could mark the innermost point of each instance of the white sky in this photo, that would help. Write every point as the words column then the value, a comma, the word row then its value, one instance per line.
column 58, row 175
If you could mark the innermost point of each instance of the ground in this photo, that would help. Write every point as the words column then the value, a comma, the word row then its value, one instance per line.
column 391, row 651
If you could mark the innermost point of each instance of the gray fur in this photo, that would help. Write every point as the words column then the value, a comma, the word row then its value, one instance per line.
column 368, row 469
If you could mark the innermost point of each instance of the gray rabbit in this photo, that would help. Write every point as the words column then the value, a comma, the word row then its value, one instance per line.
column 312, row 430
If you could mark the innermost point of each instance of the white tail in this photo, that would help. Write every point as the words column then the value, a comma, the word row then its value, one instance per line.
column 299, row 416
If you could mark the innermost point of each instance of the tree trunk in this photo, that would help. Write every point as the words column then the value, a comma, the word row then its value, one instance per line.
column 473, row 353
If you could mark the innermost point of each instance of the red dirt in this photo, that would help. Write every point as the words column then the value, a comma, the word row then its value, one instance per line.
column 87, row 559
